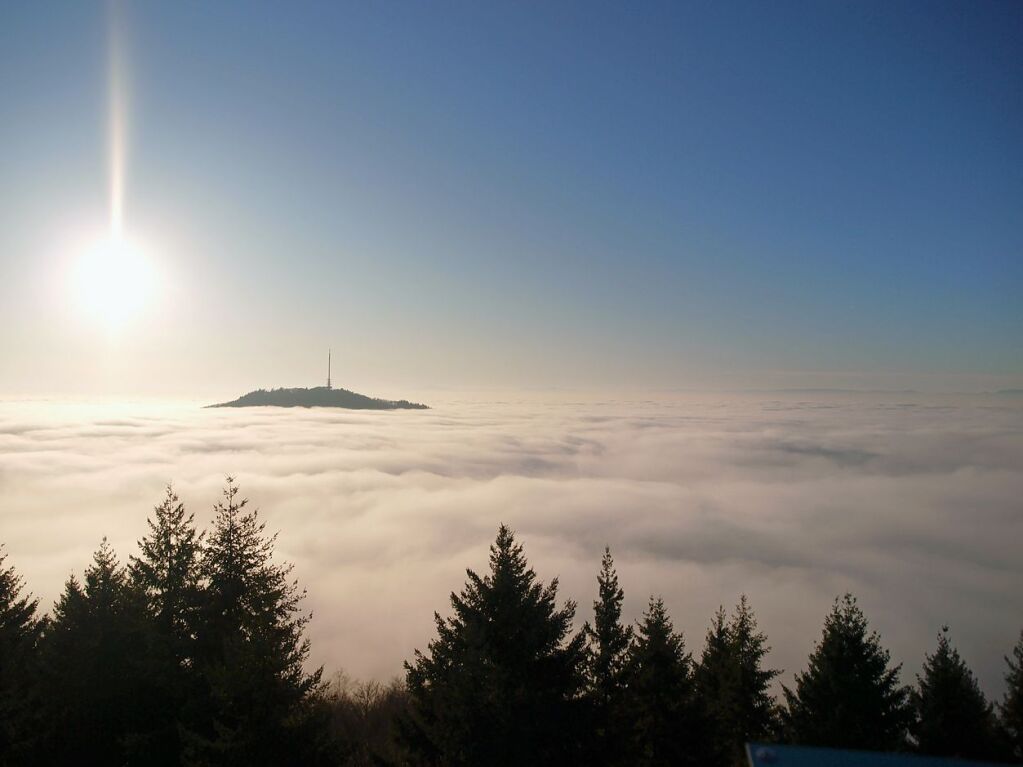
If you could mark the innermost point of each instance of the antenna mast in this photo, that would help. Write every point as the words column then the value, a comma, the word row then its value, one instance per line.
column 328, row 368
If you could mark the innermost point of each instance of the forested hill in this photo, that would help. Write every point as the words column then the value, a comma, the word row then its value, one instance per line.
column 319, row 396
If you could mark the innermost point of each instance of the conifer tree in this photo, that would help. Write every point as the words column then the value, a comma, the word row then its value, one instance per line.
column 757, row 710
column 1012, row 706
column 500, row 684
column 850, row 696
column 96, row 696
column 668, row 726
column 953, row 718
column 716, row 679
column 732, row 684
column 607, row 651
column 19, row 638
column 166, row 573
column 251, row 646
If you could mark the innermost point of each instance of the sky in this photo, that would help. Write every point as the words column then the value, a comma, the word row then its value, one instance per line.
column 514, row 196
column 911, row 502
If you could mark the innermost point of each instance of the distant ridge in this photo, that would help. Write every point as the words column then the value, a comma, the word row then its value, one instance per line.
column 830, row 390
column 319, row 396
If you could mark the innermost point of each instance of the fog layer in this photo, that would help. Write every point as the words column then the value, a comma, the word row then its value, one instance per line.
column 914, row 504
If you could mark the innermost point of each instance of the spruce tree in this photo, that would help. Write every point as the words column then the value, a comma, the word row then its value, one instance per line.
column 251, row 646
column 607, row 651
column 19, row 637
column 717, row 684
column 668, row 727
column 733, row 685
column 500, row 684
column 1012, row 706
column 166, row 573
column 96, row 696
column 757, row 710
column 850, row 696
column 953, row 718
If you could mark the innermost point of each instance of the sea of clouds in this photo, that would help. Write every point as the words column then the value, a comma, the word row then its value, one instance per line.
column 913, row 503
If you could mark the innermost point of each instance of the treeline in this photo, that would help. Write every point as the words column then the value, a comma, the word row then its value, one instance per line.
column 193, row 653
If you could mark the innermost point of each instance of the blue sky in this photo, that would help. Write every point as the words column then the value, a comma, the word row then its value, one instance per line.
column 593, row 194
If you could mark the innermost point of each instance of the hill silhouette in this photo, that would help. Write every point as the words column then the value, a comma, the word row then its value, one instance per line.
column 319, row 396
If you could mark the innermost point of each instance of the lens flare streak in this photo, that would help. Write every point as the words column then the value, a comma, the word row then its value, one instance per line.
column 117, row 124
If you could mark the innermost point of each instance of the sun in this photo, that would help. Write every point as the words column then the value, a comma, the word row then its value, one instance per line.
column 113, row 281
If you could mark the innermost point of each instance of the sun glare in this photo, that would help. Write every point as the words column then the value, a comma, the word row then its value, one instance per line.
column 113, row 282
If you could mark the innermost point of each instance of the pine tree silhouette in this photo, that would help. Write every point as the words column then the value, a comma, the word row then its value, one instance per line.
column 500, row 684
column 608, row 643
column 668, row 726
column 251, row 650
column 733, row 686
column 20, row 630
column 96, row 693
column 756, row 709
column 953, row 718
column 166, row 574
column 717, row 683
column 1011, row 707
column 850, row 696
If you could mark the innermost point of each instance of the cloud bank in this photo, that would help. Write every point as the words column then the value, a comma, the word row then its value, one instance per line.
column 912, row 503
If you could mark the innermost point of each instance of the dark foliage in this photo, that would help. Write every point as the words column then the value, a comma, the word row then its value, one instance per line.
column 668, row 725
column 500, row 684
column 166, row 571
column 363, row 721
column 850, row 696
column 608, row 642
column 166, row 575
column 1012, row 706
column 318, row 396
column 97, row 701
column 19, row 637
column 250, row 648
column 953, row 718
column 734, row 686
